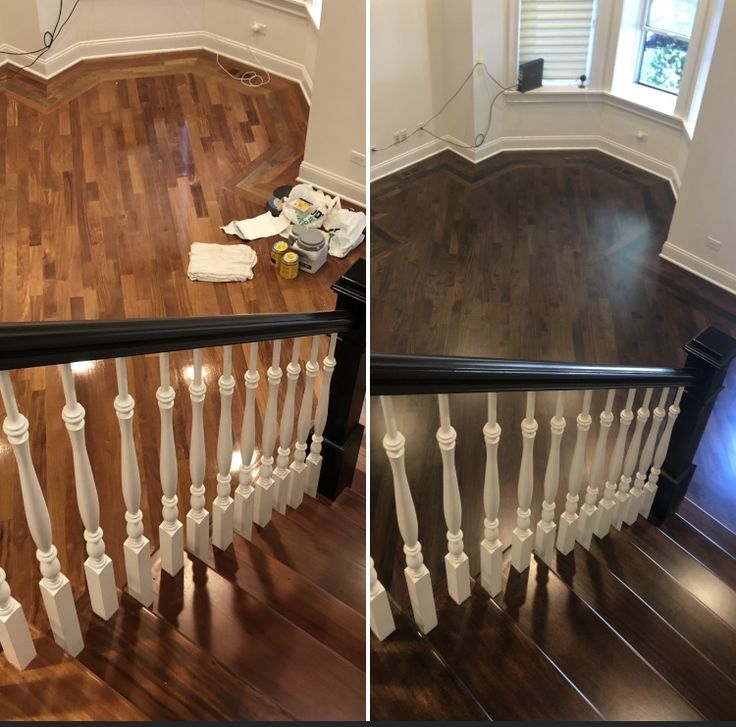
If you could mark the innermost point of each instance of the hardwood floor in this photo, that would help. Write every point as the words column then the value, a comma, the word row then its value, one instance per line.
column 532, row 255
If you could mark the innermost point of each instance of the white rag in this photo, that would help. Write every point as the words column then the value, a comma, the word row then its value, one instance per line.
column 264, row 225
column 214, row 263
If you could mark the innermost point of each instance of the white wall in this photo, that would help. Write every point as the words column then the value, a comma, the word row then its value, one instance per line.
column 706, row 206
column 337, row 115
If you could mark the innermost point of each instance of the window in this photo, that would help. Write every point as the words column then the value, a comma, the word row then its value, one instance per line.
column 560, row 32
column 666, row 31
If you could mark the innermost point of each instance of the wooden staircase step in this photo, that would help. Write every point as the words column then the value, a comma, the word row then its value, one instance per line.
column 669, row 654
column 316, row 557
column 167, row 676
column 676, row 605
column 409, row 680
column 507, row 673
column 295, row 597
column 621, row 685
column 352, row 505
column 708, row 526
column 259, row 645
column 705, row 585
column 55, row 686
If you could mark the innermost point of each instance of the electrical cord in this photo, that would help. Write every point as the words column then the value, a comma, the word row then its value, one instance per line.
column 251, row 79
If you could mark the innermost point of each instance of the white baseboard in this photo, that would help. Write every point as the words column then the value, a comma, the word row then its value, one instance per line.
column 407, row 158
column 331, row 183
column 697, row 266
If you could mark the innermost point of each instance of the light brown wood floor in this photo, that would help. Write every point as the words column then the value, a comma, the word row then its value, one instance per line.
column 107, row 174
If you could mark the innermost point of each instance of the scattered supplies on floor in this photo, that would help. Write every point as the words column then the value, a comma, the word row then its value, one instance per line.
column 214, row 263
column 307, row 206
column 265, row 225
column 345, row 228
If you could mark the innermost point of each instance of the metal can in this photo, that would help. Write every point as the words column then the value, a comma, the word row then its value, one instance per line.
column 277, row 251
column 289, row 268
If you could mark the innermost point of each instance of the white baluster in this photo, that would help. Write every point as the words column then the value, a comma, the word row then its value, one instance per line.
column 545, row 537
column 198, row 519
column 265, row 495
column 244, row 494
column 56, row 590
column 632, row 453
column 15, row 637
column 491, row 549
column 586, row 518
column 314, row 460
column 457, row 566
column 382, row 620
column 98, row 567
column 282, row 473
column 418, row 579
column 607, row 506
column 136, row 549
column 650, row 488
column 645, row 461
column 299, row 472
column 171, row 530
column 523, row 538
column 222, row 507
column 569, row 518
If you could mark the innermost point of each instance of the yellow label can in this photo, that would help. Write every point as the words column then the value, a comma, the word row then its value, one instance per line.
column 289, row 268
column 277, row 251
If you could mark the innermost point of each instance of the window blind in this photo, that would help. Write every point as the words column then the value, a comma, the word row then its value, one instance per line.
column 560, row 32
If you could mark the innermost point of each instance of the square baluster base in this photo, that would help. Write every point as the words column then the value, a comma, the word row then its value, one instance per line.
column 382, row 620
column 103, row 594
column 281, row 494
column 422, row 598
column 491, row 566
column 566, row 532
column 222, row 524
column 458, row 577
column 198, row 535
column 544, row 541
column 314, row 467
column 647, row 499
column 171, row 548
column 586, row 520
column 603, row 518
column 263, row 505
column 633, row 504
column 15, row 637
column 622, row 502
column 62, row 613
column 296, row 484
column 138, row 570
column 521, row 549
column 243, row 512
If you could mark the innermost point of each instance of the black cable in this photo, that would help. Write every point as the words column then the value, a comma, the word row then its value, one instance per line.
column 46, row 43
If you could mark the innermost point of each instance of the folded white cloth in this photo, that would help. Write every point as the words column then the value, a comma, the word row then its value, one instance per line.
column 214, row 263
column 264, row 225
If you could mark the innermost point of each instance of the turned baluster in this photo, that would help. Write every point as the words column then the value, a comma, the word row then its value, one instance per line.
column 545, row 536
column 586, row 517
column 98, row 567
column 136, row 549
column 282, row 472
column 569, row 518
column 198, row 519
column 418, row 579
column 171, row 530
column 265, row 495
column 15, row 636
column 457, row 566
column 632, row 453
column 314, row 460
column 56, row 591
column 607, row 506
column 382, row 620
column 222, row 507
column 244, row 494
column 299, row 472
column 523, row 538
column 650, row 488
column 491, row 549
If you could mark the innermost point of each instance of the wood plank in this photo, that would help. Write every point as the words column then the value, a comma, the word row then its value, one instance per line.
column 259, row 645
column 352, row 505
column 709, row 526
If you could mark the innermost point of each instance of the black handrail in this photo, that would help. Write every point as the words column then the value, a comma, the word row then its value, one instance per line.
column 25, row 345
column 393, row 374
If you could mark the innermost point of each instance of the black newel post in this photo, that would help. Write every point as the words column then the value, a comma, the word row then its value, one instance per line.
column 708, row 356
column 343, row 430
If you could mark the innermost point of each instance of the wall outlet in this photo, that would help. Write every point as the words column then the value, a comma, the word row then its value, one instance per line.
column 712, row 244
column 357, row 157
column 258, row 28
column 400, row 134
column 642, row 135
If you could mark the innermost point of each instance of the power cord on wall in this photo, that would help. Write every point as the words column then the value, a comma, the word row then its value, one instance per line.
column 480, row 138
column 252, row 79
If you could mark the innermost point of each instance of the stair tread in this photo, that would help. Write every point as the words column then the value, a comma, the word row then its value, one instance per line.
column 259, row 645
column 325, row 519
column 295, row 597
column 410, row 681
column 316, row 558
column 508, row 674
column 671, row 600
column 661, row 645
column 167, row 676
column 574, row 636
column 708, row 526
column 353, row 504
column 56, row 686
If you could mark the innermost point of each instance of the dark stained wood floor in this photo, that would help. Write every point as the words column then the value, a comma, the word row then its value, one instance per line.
column 531, row 255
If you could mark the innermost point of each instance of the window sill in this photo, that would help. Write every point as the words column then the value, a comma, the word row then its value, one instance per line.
column 650, row 98
column 314, row 10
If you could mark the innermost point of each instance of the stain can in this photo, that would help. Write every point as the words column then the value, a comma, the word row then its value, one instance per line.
column 289, row 265
column 277, row 251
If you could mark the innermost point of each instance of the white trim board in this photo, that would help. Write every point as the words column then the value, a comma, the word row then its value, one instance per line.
column 698, row 266
column 331, row 183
